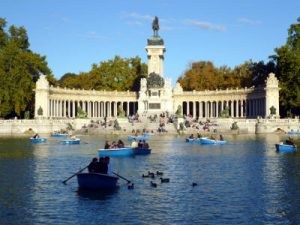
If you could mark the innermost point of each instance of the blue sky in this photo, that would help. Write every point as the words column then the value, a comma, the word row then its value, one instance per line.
column 75, row 34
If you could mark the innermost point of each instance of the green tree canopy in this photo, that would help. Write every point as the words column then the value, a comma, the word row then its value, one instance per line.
column 287, row 60
column 19, row 70
column 118, row 74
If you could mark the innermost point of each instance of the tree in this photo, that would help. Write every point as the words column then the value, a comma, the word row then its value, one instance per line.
column 200, row 76
column 287, row 60
column 117, row 74
column 19, row 70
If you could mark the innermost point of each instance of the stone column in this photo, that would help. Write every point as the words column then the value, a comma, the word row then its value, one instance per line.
column 187, row 108
column 65, row 109
column 194, row 110
column 50, row 109
column 99, row 109
column 73, row 109
column 60, row 108
column 115, row 110
column 108, row 109
column 200, row 116
column 217, row 109
column 242, row 108
column 127, row 109
column 222, row 105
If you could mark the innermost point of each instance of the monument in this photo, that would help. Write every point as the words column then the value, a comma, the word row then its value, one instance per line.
column 155, row 95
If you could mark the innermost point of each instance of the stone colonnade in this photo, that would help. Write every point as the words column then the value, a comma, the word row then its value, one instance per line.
column 239, row 103
column 214, row 109
column 57, row 102
column 65, row 108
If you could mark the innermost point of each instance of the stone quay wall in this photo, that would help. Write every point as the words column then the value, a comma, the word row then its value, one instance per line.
column 43, row 126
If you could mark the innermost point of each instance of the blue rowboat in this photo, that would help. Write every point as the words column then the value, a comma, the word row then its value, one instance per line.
column 138, row 138
column 148, row 134
column 294, row 132
column 38, row 140
column 142, row 151
column 116, row 152
column 96, row 181
column 192, row 140
column 285, row 148
column 71, row 142
column 59, row 135
column 211, row 141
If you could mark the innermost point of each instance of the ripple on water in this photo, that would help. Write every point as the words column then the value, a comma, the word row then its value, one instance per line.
column 245, row 181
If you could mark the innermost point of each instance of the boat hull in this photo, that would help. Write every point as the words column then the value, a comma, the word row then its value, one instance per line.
column 96, row 181
column 285, row 148
column 138, row 138
column 59, row 135
column 71, row 142
column 38, row 140
column 116, row 152
column 148, row 134
column 191, row 140
column 294, row 132
column 142, row 151
column 207, row 141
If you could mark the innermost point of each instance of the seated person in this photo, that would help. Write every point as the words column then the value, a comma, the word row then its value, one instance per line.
column 36, row 135
column 191, row 136
column 199, row 135
column 101, row 166
column 145, row 145
column 134, row 144
column 289, row 142
column 120, row 144
column 140, row 144
column 107, row 145
column 113, row 145
column 92, row 167
column 221, row 137
column 109, row 166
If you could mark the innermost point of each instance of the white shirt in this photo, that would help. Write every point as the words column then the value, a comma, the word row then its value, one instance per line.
column 134, row 144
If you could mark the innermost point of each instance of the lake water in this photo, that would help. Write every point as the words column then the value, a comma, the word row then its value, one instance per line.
column 242, row 182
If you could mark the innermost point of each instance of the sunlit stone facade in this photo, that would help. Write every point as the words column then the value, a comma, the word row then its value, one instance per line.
column 156, row 95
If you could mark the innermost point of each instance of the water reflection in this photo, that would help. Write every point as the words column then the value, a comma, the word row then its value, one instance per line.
column 245, row 181
column 96, row 194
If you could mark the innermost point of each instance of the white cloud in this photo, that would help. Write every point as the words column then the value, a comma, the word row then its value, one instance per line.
column 249, row 21
column 93, row 35
column 135, row 23
column 205, row 25
column 139, row 16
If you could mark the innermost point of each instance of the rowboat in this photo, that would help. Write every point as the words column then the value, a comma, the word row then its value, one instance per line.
column 96, row 181
column 211, row 141
column 128, row 151
column 138, row 138
column 148, row 134
column 192, row 140
column 281, row 147
column 38, row 140
column 58, row 135
column 294, row 132
column 141, row 151
column 71, row 141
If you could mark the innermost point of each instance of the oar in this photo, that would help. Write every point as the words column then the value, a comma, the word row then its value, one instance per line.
column 122, row 177
column 65, row 181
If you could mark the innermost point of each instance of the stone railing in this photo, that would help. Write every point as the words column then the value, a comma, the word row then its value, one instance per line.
column 59, row 90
